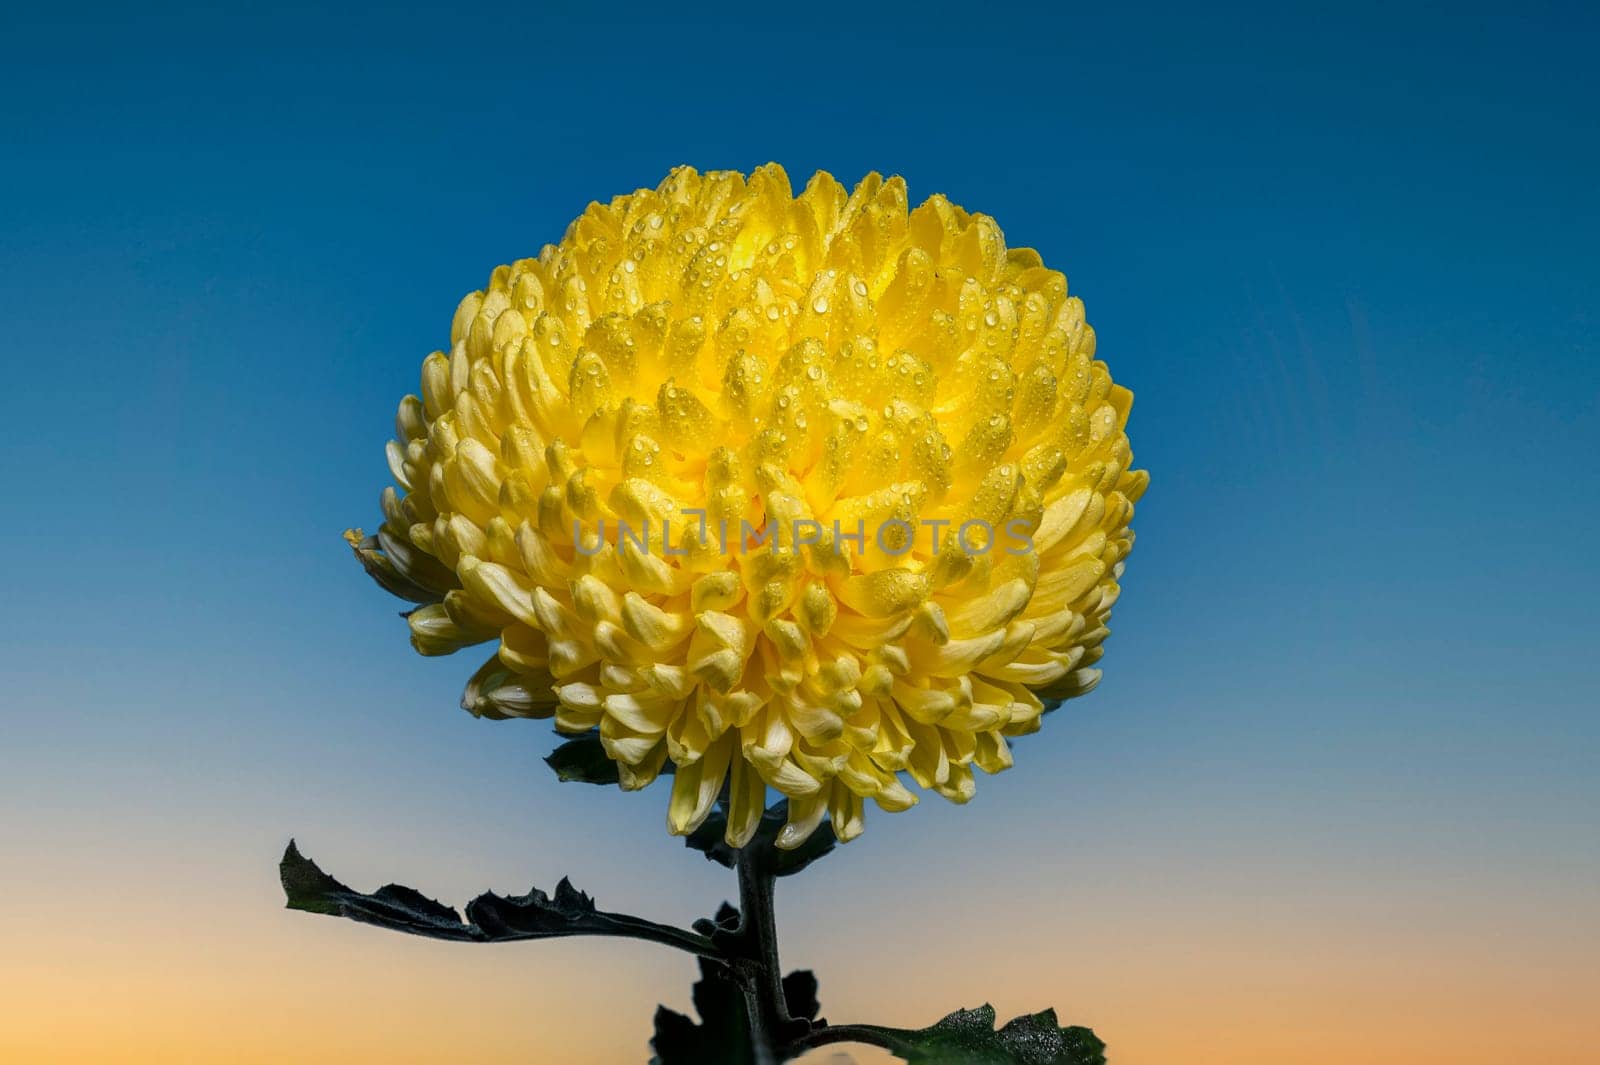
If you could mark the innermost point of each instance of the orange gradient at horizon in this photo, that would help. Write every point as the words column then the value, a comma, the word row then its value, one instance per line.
column 1244, row 986
column 160, row 969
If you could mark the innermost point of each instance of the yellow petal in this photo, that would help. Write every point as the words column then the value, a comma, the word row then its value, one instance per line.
column 695, row 788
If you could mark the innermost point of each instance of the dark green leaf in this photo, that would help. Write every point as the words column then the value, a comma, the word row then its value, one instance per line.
column 708, row 839
column 583, row 760
column 968, row 1037
column 800, row 992
column 392, row 906
column 490, row 918
column 723, row 1034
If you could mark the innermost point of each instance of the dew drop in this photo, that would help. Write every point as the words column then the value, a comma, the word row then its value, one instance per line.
column 820, row 305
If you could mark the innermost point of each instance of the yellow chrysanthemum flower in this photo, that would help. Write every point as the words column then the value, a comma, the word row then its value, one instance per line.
column 888, row 484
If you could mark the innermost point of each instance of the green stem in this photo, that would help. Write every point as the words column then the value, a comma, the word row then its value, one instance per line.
column 889, row 1038
column 652, row 932
column 771, row 1027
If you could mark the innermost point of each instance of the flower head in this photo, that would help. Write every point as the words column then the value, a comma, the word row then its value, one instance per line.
column 884, row 486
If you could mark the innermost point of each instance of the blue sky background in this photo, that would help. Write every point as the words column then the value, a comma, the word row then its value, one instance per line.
column 1346, row 262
